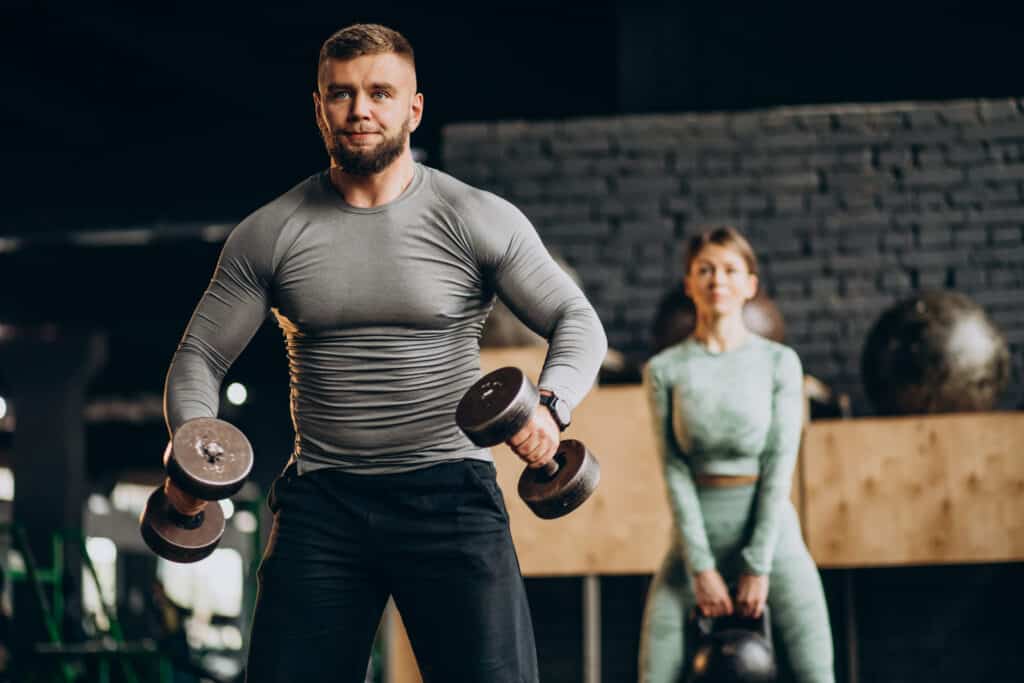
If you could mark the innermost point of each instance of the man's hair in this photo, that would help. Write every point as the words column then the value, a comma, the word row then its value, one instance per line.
column 364, row 39
column 723, row 236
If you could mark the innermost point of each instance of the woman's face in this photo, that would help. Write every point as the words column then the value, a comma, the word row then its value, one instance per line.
column 719, row 281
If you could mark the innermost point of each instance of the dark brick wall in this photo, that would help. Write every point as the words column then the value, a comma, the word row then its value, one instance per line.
column 850, row 208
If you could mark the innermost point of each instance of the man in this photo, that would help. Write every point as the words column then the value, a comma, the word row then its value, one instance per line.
column 381, row 272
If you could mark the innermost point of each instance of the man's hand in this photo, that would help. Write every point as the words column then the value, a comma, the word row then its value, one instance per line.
column 537, row 442
column 712, row 594
column 181, row 501
column 751, row 595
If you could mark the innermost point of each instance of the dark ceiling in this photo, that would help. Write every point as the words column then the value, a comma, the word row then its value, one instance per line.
column 116, row 114
column 134, row 115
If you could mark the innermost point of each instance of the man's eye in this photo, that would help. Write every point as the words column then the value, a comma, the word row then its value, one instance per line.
column 382, row 94
column 339, row 95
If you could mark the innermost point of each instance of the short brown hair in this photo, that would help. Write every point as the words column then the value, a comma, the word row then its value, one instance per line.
column 723, row 236
column 364, row 39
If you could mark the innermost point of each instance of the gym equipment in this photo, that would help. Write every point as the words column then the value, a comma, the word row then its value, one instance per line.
column 676, row 318
column 497, row 406
column 934, row 353
column 732, row 649
column 208, row 459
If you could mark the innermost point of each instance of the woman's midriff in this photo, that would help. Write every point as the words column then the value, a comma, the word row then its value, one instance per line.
column 724, row 480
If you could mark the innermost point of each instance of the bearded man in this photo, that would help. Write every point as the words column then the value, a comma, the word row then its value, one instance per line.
column 380, row 272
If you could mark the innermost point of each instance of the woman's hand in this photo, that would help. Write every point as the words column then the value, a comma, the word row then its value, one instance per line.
column 751, row 595
column 712, row 593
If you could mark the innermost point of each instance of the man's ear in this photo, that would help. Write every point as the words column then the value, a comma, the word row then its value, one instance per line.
column 415, row 111
column 318, row 114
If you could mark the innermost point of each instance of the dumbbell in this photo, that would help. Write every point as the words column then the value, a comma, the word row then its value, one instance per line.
column 497, row 406
column 732, row 649
column 208, row 459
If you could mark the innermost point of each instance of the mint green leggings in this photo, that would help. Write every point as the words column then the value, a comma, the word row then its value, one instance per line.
column 795, row 594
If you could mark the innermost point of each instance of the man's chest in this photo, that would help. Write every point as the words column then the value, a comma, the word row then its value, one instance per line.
column 414, row 274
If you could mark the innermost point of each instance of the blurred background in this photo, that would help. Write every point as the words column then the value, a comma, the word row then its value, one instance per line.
column 871, row 152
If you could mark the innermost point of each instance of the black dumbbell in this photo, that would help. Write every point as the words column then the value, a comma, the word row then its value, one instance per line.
column 498, row 406
column 731, row 649
column 208, row 459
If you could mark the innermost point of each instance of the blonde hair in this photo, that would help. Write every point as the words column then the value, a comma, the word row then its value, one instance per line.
column 723, row 236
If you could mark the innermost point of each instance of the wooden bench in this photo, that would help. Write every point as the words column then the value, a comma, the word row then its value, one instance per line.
column 870, row 492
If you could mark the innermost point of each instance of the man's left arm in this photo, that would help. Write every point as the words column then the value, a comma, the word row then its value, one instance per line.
column 540, row 293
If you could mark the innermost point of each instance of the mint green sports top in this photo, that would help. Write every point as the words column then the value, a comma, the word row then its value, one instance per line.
column 738, row 412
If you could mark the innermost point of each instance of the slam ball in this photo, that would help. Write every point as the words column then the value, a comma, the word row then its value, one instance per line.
column 937, row 352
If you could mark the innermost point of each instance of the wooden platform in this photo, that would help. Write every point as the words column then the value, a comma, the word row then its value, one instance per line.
column 939, row 489
column 874, row 492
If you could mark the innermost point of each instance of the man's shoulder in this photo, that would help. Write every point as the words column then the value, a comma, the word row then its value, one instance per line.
column 464, row 198
column 279, row 209
column 266, row 222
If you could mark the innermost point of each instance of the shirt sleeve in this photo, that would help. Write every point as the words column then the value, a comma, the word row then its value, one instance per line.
column 235, row 304
column 540, row 293
column 777, row 462
column 682, row 490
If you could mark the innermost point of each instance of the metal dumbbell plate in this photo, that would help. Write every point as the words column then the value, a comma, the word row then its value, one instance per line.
column 208, row 458
column 497, row 406
column 577, row 477
column 176, row 537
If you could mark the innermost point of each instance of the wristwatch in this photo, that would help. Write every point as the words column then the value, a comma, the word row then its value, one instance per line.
column 559, row 410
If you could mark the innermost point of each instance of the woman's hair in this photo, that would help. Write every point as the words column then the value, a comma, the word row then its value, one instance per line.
column 723, row 236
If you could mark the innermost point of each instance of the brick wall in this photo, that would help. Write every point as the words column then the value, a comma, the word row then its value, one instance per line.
column 850, row 208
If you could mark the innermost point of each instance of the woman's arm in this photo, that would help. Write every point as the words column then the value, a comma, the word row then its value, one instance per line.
column 777, row 462
column 682, row 491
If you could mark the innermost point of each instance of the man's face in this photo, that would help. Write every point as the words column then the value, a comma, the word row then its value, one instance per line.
column 366, row 108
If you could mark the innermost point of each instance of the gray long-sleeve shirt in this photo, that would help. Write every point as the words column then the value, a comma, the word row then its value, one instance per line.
column 382, row 311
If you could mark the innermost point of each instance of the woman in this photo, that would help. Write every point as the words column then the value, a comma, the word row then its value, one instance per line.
column 727, row 411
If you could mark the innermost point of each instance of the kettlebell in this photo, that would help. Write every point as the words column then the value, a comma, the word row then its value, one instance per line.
column 731, row 649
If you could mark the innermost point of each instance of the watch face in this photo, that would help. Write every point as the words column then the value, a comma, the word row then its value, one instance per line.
column 562, row 411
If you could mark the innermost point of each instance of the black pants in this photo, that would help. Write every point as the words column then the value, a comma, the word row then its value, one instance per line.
column 435, row 539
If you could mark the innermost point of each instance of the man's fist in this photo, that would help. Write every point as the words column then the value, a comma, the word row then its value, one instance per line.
column 537, row 442
column 181, row 501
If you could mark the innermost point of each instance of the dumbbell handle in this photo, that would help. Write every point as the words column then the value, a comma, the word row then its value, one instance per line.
column 186, row 505
column 551, row 467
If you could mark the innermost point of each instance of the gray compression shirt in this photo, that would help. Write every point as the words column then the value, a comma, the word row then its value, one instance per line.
column 381, row 311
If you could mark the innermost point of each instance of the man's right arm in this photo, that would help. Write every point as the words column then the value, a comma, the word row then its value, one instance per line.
column 230, row 312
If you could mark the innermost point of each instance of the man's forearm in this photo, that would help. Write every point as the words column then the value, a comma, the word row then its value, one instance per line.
column 577, row 348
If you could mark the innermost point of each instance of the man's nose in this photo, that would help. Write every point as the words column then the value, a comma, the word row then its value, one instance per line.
column 360, row 107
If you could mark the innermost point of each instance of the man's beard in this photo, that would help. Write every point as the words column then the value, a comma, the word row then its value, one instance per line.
column 366, row 162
